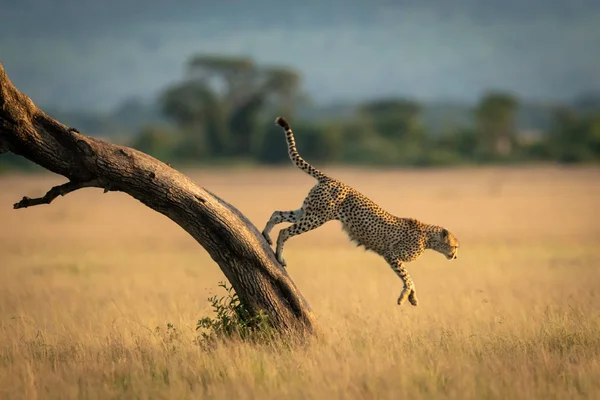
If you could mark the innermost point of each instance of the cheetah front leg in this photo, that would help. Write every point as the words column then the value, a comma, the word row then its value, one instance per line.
column 278, row 217
column 408, row 292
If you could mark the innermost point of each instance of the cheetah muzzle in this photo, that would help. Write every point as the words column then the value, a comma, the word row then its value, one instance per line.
column 397, row 240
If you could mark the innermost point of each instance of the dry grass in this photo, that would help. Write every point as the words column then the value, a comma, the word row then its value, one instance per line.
column 85, row 282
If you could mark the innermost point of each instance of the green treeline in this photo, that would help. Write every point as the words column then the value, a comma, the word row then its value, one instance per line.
column 222, row 111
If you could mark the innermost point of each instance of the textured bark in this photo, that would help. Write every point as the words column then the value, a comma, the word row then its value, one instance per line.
column 230, row 238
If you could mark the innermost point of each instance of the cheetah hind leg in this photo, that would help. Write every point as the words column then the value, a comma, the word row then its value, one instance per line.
column 304, row 224
column 408, row 292
column 278, row 217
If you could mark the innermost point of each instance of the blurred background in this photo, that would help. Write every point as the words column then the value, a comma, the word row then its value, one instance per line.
column 100, row 296
column 388, row 83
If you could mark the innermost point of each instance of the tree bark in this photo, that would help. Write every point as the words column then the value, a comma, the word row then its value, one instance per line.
column 230, row 238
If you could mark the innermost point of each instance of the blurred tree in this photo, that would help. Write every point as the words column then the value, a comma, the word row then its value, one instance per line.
column 199, row 114
column 232, row 78
column 156, row 141
column 320, row 143
column 397, row 123
column 223, row 100
column 394, row 118
column 575, row 137
column 273, row 149
column 245, row 126
column 283, row 85
column 495, row 117
column 361, row 144
column 460, row 141
column 594, row 133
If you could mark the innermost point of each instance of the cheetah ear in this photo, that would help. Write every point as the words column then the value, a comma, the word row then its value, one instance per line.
column 444, row 233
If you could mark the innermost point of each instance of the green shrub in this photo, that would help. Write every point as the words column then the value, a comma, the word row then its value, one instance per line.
column 233, row 320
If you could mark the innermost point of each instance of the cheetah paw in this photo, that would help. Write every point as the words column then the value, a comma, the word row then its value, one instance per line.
column 280, row 260
column 267, row 238
column 412, row 298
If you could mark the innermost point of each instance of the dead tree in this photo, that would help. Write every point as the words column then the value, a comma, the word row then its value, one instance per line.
column 228, row 236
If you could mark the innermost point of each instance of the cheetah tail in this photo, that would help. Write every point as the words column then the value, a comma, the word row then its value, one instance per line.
column 293, row 153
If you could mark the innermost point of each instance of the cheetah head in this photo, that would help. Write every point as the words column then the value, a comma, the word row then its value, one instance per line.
column 444, row 242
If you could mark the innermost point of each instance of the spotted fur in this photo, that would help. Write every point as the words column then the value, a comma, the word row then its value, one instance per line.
column 397, row 240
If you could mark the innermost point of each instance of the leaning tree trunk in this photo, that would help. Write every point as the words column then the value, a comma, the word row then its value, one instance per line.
column 229, row 237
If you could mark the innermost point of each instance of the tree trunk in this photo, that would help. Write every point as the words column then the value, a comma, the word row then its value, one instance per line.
column 229, row 237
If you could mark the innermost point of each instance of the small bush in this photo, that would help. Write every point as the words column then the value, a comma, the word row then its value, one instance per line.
column 233, row 320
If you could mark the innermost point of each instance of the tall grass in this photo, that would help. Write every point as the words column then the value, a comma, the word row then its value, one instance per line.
column 100, row 296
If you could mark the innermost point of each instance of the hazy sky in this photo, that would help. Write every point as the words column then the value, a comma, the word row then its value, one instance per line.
column 91, row 53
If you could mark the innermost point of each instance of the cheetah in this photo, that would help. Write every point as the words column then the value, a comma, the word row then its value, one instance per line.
column 397, row 240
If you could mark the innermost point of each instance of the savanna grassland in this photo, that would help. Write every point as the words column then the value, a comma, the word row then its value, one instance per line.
column 89, row 284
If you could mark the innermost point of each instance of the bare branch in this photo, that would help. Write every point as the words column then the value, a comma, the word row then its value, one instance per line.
column 56, row 191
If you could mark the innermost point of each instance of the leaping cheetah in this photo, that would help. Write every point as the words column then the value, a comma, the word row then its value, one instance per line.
column 397, row 240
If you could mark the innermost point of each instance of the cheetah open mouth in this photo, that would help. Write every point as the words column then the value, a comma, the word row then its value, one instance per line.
column 452, row 256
